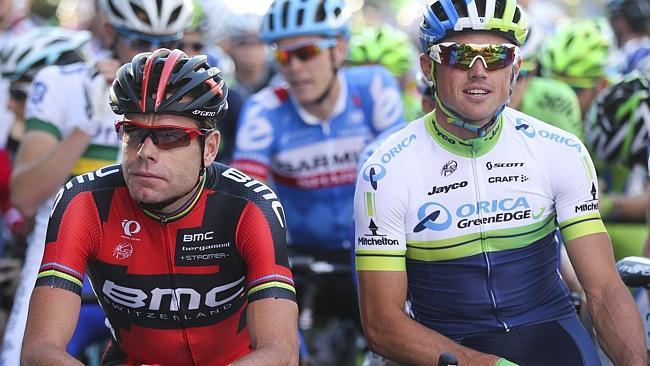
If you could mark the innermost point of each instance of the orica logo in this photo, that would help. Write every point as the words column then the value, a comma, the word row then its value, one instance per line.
column 433, row 216
column 373, row 173
column 528, row 130
column 130, row 227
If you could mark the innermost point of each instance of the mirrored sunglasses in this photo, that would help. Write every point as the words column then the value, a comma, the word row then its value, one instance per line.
column 303, row 51
column 462, row 56
column 165, row 137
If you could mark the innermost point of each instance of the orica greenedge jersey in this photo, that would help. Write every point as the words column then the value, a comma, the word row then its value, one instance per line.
column 472, row 221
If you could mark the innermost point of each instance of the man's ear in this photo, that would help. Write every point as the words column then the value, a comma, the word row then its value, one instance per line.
column 211, row 148
column 425, row 66
column 340, row 51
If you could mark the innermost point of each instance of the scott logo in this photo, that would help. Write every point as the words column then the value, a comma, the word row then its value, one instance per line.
column 489, row 165
column 130, row 227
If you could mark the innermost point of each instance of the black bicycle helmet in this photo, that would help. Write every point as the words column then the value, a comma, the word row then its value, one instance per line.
column 166, row 81
column 617, row 125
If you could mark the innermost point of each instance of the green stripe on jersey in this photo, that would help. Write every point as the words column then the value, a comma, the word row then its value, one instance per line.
column 472, row 244
column 581, row 226
column 466, row 148
column 35, row 124
column 380, row 260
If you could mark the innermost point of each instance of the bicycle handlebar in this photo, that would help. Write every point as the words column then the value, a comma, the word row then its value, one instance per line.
column 634, row 271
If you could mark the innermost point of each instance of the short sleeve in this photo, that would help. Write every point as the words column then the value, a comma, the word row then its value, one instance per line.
column 380, row 203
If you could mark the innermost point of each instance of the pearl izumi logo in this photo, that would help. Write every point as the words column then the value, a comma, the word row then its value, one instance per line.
column 130, row 227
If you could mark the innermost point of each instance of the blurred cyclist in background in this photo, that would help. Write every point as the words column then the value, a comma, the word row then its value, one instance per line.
column 577, row 54
column 70, row 129
column 387, row 46
column 253, row 65
column 305, row 137
column 194, row 43
column 630, row 20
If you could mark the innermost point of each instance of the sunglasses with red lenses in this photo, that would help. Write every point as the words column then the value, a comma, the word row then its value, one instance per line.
column 462, row 56
column 302, row 51
column 165, row 137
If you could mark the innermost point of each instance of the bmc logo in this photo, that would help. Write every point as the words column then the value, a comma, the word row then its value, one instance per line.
column 136, row 298
column 130, row 227
column 188, row 238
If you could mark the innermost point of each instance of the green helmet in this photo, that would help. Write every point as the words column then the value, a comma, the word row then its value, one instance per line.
column 578, row 53
column 617, row 124
column 383, row 45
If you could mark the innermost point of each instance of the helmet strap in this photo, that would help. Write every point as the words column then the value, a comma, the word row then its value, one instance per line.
column 455, row 118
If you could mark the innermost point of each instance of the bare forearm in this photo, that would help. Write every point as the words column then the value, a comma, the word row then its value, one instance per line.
column 33, row 183
column 45, row 354
column 407, row 342
column 270, row 356
column 618, row 325
column 630, row 208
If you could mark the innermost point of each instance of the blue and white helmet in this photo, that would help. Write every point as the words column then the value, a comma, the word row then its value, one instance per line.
column 443, row 18
column 291, row 18
column 25, row 55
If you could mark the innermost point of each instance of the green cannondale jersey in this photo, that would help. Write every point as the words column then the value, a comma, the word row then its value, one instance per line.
column 554, row 102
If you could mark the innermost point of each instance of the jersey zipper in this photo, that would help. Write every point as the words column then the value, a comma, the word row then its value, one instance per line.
column 170, row 261
column 484, row 249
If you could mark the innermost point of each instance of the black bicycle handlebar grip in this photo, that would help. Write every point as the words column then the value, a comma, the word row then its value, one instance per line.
column 447, row 359
column 634, row 271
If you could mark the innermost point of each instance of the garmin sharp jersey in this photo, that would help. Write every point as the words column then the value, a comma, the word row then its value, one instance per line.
column 174, row 289
column 472, row 222
column 312, row 163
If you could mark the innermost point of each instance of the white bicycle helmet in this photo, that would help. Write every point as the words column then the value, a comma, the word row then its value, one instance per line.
column 40, row 47
column 158, row 18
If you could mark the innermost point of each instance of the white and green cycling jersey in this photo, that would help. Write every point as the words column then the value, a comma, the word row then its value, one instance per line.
column 473, row 221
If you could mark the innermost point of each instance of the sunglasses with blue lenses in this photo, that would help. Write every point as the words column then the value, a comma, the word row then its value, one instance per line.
column 462, row 56
column 145, row 42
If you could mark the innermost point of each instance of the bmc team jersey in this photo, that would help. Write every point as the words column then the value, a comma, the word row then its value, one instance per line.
column 554, row 102
column 312, row 163
column 472, row 221
column 174, row 288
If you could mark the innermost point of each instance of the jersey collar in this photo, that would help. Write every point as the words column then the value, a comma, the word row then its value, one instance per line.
column 467, row 148
column 181, row 212
column 339, row 107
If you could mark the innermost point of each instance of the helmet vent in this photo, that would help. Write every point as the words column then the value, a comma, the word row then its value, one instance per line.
column 159, row 6
column 140, row 13
column 115, row 10
column 285, row 14
column 439, row 11
column 320, row 12
column 174, row 16
column 301, row 14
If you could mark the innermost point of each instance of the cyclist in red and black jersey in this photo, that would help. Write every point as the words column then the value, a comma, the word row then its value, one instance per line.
column 186, row 256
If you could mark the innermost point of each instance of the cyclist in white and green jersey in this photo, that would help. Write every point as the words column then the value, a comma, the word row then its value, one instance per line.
column 457, row 212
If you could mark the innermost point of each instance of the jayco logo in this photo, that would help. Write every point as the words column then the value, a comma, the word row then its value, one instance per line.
column 130, row 227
